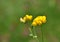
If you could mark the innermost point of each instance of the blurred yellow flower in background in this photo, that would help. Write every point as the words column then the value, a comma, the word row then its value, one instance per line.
column 39, row 20
column 26, row 18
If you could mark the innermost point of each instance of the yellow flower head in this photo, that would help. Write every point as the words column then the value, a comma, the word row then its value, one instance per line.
column 26, row 18
column 39, row 20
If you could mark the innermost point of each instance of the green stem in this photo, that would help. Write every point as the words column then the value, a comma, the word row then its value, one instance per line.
column 30, row 31
column 42, row 34
column 34, row 31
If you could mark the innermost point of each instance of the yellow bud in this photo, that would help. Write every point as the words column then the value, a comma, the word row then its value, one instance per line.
column 40, row 23
column 44, row 19
column 22, row 20
column 34, row 24
column 37, row 22
column 40, row 18
column 36, row 19
column 29, row 17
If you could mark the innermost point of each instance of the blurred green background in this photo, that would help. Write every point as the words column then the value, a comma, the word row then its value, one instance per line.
column 12, row 30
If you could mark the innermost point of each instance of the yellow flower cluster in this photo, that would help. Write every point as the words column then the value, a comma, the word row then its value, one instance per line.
column 39, row 20
column 26, row 18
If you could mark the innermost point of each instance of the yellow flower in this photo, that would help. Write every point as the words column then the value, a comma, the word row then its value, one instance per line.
column 29, row 17
column 42, row 18
column 39, row 20
column 26, row 18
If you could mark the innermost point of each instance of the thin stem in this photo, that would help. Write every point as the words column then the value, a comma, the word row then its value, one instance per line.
column 42, row 34
column 35, row 34
column 34, row 31
column 30, row 32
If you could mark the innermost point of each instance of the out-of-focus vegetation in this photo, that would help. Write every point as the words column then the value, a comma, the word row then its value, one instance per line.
column 12, row 30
